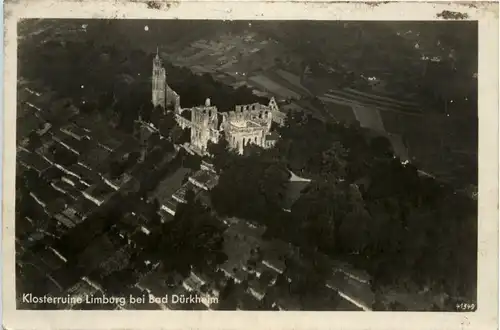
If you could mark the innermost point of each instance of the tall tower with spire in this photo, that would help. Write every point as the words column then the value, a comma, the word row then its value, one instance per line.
column 158, row 81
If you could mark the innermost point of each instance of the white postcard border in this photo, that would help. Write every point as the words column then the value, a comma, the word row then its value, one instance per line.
column 486, row 315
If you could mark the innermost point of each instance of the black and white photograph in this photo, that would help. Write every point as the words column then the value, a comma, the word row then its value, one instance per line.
column 246, row 165
column 240, row 164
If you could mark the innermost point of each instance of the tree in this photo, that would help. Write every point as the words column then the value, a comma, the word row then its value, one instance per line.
column 185, row 136
column 168, row 146
column 34, row 140
column 228, row 299
column 303, row 142
column 56, row 206
column 146, row 111
column 186, row 178
column 115, row 169
column 127, row 117
column 220, row 153
column 322, row 210
column 250, row 188
column 88, row 107
column 167, row 122
column 194, row 236
column 65, row 157
column 381, row 146
column 156, row 115
column 179, row 135
column 192, row 162
column 154, row 141
column 105, row 101
column 334, row 160
column 153, row 212
column 133, row 157
column 274, row 183
column 355, row 232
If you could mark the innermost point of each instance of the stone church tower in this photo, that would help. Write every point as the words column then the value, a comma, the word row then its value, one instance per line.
column 163, row 95
column 205, row 126
column 159, row 81
column 247, row 124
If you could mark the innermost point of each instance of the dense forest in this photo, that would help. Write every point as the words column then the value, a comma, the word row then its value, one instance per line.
column 363, row 206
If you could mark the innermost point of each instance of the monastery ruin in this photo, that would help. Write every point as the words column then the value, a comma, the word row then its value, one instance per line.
column 247, row 124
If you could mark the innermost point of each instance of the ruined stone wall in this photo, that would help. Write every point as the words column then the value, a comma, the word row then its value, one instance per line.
column 183, row 122
column 247, row 124
column 239, row 137
column 204, row 127
column 278, row 117
column 172, row 99
column 257, row 113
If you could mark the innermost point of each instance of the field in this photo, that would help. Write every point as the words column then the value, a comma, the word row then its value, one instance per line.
column 340, row 58
column 369, row 118
column 267, row 84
